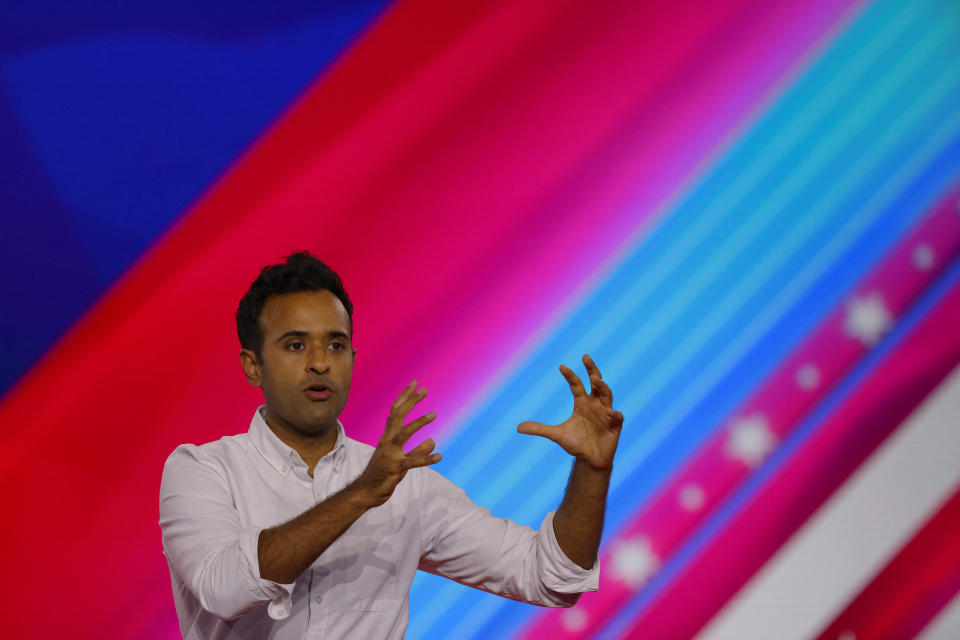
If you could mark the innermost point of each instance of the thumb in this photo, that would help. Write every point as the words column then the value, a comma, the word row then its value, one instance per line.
column 535, row 429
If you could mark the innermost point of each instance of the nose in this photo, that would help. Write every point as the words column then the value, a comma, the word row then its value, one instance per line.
column 317, row 361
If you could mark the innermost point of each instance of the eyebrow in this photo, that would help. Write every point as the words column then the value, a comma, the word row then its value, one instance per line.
column 299, row 333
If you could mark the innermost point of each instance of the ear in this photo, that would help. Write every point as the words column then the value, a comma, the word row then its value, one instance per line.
column 251, row 366
column 354, row 355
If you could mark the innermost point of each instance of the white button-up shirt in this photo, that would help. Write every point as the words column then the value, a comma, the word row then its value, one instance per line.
column 216, row 498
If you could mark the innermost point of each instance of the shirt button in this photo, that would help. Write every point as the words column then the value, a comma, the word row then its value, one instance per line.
column 319, row 599
column 283, row 469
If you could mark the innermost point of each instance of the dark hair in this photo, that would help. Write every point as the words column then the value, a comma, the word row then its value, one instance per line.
column 299, row 272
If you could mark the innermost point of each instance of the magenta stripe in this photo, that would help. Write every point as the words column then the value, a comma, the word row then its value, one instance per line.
column 806, row 481
column 899, row 383
column 463, row 199
column 824, row 358
column 661, row 146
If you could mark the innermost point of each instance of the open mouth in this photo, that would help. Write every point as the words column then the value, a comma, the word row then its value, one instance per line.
column 318, row 392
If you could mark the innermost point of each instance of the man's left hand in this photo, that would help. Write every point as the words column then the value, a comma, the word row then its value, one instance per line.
column 591, row 433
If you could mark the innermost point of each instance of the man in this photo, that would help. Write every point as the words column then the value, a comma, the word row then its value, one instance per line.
column 294, row 530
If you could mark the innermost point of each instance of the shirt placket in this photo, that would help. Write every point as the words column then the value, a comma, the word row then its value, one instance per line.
column 323, row 474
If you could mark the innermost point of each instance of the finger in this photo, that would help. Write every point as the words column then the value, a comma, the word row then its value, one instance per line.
column 536, row 429
column 601, row 390
column 400, row 402
column 598, row 387
column 411, row 399
column 576, row 386
column 422, row 461
column 407, row 390
column 407, row 432
column 616, row 419
column 421, row 449
column 403, row 404
column 591, row 366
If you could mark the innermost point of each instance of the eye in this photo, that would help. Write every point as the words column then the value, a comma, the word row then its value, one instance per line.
column 337, row 346
column 295, row 346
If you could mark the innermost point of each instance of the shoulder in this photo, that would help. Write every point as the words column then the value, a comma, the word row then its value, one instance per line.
column 218, row 455
column 433, row 485
column 357, row 451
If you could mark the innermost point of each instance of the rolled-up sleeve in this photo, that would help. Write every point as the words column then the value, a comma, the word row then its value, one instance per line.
column 559, row 573
column 206, row 544
column 464, row 542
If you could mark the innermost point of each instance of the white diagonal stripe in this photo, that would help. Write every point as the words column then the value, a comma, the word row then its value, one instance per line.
column 945, row 625
column 830, row 559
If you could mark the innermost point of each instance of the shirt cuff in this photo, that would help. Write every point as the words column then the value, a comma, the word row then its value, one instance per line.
column 560, row 573
column 277, row 593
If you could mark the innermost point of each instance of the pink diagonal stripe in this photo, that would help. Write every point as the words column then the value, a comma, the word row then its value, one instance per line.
column 465, row 166
column 770, row 414
column 878, row 406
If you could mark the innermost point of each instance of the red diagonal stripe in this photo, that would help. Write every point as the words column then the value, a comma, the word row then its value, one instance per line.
column 845, row 439
column 912, row 588
column 465, row 167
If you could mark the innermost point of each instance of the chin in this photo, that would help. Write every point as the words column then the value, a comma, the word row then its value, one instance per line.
column 321, row 418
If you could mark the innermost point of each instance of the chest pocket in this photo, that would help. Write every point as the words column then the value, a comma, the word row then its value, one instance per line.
column 380, row 546
column 385, row 603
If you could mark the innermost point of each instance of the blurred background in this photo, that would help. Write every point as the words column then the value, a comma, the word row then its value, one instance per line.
column 747, row 211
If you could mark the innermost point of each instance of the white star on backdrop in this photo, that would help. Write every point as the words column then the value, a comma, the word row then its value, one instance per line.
column 867, row 319
column 574, row 619
column 692, row 496
column 634, row 561
column 808, row 377
column 750, row 440
column 923, row 257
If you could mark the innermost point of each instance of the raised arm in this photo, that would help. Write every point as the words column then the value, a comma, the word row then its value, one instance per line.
column 231, row 569
column 591, row 435
column 286, row 550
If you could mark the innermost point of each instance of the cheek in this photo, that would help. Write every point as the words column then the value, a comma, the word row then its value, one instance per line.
column 346, row 376
column 276, row 386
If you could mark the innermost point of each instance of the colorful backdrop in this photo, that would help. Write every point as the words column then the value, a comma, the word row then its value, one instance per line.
column 747, row 211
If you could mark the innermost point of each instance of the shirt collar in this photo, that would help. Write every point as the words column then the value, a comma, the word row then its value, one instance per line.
column 280, row 455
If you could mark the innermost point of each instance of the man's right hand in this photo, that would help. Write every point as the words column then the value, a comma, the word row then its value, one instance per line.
column 389, row 463
column 286, row 550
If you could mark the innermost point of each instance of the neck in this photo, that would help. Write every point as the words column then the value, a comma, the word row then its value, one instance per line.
column 310, row 445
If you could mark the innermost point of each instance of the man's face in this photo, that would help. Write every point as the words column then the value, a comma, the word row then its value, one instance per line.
column 307, row 361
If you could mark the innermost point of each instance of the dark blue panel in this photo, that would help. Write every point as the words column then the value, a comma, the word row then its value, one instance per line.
column 114, row 118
